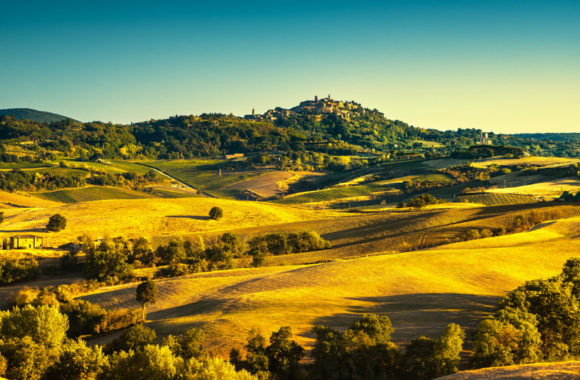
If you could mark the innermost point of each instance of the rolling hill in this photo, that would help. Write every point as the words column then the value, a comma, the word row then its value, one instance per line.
column 421, row 291
column 32, row 115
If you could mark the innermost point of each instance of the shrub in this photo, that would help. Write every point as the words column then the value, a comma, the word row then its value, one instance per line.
column 13, row 270
column 117, row 319
column 84, row 317
column 284, row 243
column 187, row 345
column 216, row 213
column 133, row 338
column 422, row 200
column 108, row 262
column 56, row 223
column 485, row 233
column 472, row 234
column 77, row 361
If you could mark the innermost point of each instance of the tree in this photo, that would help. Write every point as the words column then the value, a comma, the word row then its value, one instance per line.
column 448, row 349
column 3, row 365
column 78, row 362
column 45, row 325
column 172, row 253
column 188, row 345
column 419, row 359
column 377, row 327
column 142, row 252
column 256, row 358
column 26, row 359
column 146, row 294
column 133, row 338
column 56, row 223
column 283, row 353
column 216, row 213
column 151, row 362
column 495, row 344
column 107, row 262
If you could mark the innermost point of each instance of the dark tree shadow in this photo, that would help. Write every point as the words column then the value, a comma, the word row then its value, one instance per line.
column 413, row 315
column 194, row 217
column 26, row 230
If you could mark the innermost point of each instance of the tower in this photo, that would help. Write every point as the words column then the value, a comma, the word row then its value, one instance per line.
column 316, row 98
column 253, row 112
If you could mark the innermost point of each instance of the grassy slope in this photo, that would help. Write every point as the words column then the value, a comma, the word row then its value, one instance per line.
column 152, row 217
column 561, row 371
column 201, row 173
column 550, row 189
column 527, row 161
column 90, row 194
column 23, row 200
column 421, row 291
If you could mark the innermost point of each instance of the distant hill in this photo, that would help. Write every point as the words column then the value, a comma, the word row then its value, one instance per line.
column 32, row 115
column 312, row 134
column 550, row 136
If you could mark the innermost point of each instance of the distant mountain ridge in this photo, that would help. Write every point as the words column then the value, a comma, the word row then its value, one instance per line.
column 550, row 136
column 32, row 115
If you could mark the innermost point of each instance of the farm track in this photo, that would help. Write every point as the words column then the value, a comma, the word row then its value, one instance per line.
column 165, row 174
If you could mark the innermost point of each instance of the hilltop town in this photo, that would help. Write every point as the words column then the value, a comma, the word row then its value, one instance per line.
column 318, row 109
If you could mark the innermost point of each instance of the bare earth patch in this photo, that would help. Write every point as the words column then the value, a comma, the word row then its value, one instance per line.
column 271, row 183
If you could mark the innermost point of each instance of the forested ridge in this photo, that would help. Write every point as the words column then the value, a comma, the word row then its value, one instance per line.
column 364, row 131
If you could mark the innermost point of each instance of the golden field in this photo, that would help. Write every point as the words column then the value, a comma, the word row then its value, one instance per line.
column 561, row 371
column 526, row 161
column 547, row 189
column 148, row 217
column 421, row 291
column 380, row 262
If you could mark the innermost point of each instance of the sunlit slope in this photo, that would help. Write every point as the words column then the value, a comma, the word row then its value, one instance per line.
column 21, row 200
column 153, row 217
column 421, row 291
column 561, row 371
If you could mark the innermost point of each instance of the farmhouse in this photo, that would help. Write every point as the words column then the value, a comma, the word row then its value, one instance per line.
column 22, row 242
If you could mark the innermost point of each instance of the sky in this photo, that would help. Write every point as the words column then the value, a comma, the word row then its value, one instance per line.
column 504, row 66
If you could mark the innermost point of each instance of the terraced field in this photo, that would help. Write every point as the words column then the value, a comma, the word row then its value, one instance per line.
column 496, row 199
column 330, row 194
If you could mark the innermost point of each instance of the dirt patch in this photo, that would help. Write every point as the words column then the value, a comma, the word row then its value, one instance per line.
column 269, row 184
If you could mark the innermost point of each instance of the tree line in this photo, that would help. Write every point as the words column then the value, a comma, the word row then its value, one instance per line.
column 539, row 321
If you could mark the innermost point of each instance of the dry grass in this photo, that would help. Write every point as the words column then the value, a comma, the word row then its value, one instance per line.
column 561, row 371
column 150, row 217
column 526, row 161
column 269, row 184
column 547, row 189
column 23, row 200
column 420, row 291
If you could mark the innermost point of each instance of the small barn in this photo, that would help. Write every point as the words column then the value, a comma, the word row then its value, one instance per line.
column 25, row 242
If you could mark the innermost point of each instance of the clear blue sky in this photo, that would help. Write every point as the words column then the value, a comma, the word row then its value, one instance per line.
column 505, row 66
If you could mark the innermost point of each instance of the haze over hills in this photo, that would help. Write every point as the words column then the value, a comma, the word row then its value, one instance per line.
column 32, row 115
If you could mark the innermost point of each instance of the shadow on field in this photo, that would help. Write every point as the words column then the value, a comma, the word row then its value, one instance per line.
column 25, row 230
column 203, row 306
column 194, row 217
column 413, row 315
